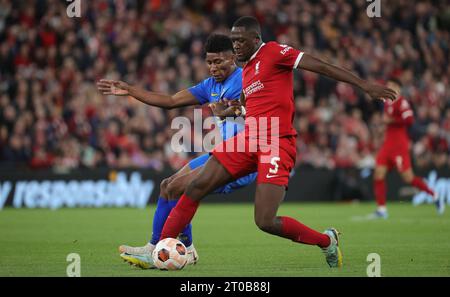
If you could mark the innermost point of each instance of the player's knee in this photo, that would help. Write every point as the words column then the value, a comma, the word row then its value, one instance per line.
column 265, row 224
column 163, row 187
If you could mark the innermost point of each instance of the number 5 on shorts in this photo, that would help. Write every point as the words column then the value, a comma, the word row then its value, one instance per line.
column 274, row 162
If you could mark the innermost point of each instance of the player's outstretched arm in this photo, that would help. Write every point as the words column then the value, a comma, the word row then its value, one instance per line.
column 120, row 88
column 375, row 91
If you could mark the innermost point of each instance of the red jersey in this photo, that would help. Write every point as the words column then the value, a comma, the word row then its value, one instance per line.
column 268, row 88
column 402, row 115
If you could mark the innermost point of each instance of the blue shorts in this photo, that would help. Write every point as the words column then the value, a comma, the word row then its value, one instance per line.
column 230, row 187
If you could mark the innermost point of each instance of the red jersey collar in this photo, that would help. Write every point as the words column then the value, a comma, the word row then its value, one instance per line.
column 254, row 55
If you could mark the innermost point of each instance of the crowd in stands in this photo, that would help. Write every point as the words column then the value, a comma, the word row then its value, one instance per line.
column 52, row 116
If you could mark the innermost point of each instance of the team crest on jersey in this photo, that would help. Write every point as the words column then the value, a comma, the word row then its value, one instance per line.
column 257, row 68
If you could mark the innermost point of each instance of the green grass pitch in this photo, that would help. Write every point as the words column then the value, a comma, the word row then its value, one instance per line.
column 414, row 241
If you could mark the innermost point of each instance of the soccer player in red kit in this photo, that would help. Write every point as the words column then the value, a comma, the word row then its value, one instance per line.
column 394, row 153
column 268, row 90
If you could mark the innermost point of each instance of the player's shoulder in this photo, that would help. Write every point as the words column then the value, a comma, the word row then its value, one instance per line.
column 237, row 72
column 235, row 77
column 274, row 46
column 233, row 85
column 208, row 82
column 271, row 44
column 278, row 49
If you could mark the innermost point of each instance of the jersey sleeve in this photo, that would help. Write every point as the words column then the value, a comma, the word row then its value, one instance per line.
column 200, row 91
column 403, row 113
column 406, row 112
column 286, row 56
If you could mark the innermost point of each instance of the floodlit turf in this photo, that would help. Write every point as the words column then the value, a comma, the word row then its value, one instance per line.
column 414, row 241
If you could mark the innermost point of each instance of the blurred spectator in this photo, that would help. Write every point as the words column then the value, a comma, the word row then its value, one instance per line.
column 52, row 116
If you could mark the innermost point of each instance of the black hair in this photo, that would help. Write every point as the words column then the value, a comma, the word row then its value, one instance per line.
column 249, row 23
column 217, row 43
column 395, row 80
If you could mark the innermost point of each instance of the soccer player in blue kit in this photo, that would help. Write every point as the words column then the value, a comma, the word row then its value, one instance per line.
column 225, row 82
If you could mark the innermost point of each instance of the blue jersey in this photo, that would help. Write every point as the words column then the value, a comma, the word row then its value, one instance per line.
column 209, row 91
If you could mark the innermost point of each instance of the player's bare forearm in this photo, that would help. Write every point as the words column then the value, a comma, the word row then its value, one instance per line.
column 314, row 64
column 150, row 98
column 232, row 111
column 120, row 88
column 183, row 98
column 242, row 99
column 241, row 112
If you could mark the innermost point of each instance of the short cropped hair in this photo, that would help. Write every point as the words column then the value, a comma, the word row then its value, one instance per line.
column 395, row 80
column 217, row 43
column 249, row 23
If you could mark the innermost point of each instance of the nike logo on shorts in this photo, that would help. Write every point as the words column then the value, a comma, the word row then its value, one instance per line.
column 270, row 176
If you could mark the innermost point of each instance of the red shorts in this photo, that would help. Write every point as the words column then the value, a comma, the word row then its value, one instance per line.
column 273, row 162
column 394, row 157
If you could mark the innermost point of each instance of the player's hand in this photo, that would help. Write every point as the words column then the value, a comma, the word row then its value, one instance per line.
column 234, row 108
column 113, row 87
column 226, row 108
column 380, row 92
column 218, row 108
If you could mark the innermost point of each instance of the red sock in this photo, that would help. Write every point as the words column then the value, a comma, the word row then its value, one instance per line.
column 298, row 232
column 379, row 186
column 420, row 184
column 179, row 217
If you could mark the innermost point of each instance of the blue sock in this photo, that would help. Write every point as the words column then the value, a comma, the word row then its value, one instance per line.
column 161, row 213
column 186, row 234
column 163, row 208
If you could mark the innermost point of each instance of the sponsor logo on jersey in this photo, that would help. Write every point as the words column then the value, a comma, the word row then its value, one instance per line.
column 254, row 87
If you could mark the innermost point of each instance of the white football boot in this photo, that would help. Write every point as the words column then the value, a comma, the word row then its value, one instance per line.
column 140, row 250
column 192, row 255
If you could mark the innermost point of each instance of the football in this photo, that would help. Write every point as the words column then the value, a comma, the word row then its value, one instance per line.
column 170, row 254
